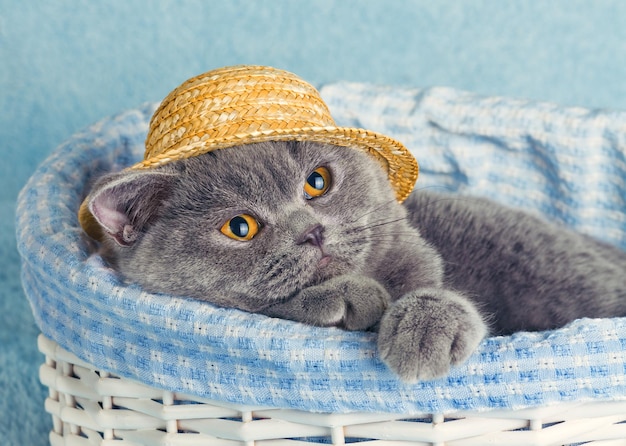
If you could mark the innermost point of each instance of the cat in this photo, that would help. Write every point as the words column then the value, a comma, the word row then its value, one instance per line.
column 313, row 233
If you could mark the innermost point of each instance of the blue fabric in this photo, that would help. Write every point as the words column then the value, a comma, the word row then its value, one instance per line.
column 566, row 163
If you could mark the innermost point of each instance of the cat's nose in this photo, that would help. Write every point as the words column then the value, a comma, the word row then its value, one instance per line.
column 312, row 235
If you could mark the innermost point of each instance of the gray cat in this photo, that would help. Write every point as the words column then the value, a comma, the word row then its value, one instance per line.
column 313, row 233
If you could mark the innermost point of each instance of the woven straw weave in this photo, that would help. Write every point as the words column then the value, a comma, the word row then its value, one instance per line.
column 247, row 104
column 197, row 107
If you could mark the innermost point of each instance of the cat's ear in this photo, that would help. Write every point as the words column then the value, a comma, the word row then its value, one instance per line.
column 124, row 204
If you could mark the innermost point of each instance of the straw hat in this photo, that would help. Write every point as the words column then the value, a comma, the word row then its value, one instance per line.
column 248, row 104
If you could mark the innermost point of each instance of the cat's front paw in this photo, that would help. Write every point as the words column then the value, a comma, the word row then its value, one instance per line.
column 350, row 302
column 427, row 331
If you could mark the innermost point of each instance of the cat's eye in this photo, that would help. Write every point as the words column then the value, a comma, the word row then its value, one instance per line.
column 317, row 183
column 242, row 227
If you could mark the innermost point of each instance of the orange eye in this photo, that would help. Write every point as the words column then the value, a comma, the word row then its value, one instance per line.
column 242, row 227
column 317, row 183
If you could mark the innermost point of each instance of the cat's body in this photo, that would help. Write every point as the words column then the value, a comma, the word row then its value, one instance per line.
column 526, row 273
column 351, row 257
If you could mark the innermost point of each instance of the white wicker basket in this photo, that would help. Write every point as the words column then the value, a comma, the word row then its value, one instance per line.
column 90, row 407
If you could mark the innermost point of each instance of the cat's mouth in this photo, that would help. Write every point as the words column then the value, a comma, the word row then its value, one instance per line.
column 322, row 266
column 327, row 264
column 324, row 261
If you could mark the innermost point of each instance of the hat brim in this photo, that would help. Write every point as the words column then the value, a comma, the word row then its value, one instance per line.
column 400, row 165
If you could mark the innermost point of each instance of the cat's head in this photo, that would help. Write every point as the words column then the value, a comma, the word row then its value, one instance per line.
column 244, row 226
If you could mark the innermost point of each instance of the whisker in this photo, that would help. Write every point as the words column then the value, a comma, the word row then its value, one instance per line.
column 435, row 186
column 407, row 237
column 377, row 224
column 391, row 236
column 420, row 224
column 392, row 243
column 371, row 211
column 443, row 198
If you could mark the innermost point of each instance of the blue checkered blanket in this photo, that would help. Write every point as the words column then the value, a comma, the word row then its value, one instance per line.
column 566, row 163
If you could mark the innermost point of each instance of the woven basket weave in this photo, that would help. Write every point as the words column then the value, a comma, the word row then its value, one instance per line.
column 91, row 407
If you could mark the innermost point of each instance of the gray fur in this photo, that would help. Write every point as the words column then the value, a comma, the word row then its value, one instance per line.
column 431, row 297
column 526, row 273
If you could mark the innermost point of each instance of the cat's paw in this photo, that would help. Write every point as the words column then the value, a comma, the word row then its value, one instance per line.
column 426, row 332
column 349, row 302
column 365, row 301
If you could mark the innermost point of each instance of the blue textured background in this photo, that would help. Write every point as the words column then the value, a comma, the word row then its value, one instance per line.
column 64, row 65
